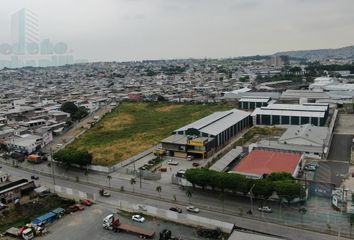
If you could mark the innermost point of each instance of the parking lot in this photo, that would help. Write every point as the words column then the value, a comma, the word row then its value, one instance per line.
column 87, row 224
column 172, row 169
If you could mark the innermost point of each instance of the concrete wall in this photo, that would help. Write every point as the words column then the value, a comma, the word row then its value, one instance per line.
column 180, row 218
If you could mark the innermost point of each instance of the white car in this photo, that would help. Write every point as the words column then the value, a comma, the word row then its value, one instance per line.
column 170, row 162
column 192, row 209
column 265, row 209
column 138, row 218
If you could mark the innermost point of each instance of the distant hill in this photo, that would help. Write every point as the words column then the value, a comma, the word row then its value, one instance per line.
column 345, row 52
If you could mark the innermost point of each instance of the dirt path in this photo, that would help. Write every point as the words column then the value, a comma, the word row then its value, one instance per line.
column 76, row 129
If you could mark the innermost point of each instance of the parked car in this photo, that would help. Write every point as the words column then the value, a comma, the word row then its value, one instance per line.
column 265, row 209
column 34, row 177
column 2, row 206
column 314, row 163
column 309, row 167
column 189, row 158
column 171, row 162
column 138, row 218
column 86, row 202
column 192, row 209
column 176, row 209
column 195, row 164
column 76, row 207
column 163, row 169
column 104, row 193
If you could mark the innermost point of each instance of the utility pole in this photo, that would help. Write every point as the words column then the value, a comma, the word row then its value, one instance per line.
column 140, row 172
column 52, row 166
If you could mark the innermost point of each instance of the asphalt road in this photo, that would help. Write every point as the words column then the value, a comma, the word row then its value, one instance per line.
column 210, row 206
column 341, row 147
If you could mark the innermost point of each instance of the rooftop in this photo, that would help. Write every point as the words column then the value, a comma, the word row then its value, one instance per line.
column 216, row 122
column 259, row 162
column 309, row 132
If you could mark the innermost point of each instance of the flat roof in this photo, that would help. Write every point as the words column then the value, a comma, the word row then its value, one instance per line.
column 259, row 162
column 288, row 147
column 13, row 185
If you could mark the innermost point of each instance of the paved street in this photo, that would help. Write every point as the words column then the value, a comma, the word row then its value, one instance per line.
column 345, row 124
column 341, row 147
column 210, row 205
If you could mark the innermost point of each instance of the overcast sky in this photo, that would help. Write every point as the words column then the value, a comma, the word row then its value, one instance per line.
column 162, row 29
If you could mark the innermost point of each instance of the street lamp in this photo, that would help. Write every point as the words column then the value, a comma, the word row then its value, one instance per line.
column 251, row 199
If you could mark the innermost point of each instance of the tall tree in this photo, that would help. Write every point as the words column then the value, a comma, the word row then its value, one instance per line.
column 133, row 182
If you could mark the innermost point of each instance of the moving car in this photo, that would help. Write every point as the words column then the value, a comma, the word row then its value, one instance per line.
column 138, row 218
column 176, row 209
column 104, row 193
column 34, row 177
column 265, row 209
column 86, row 202
column 195, row 164
column 192, row 209
column 171, row 162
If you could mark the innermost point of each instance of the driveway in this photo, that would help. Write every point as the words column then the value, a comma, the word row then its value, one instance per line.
column 341, row 147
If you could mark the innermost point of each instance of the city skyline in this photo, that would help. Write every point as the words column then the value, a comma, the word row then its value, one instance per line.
column 138, row 29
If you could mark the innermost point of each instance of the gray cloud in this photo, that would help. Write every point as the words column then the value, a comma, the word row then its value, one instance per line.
column 144, row 29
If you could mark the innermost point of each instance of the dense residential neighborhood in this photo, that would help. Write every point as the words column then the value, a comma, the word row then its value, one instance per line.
column 176, row 120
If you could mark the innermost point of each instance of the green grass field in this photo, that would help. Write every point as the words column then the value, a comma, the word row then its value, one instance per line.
column 134, row 127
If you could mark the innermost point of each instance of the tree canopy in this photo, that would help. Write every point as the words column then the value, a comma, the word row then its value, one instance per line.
column 76, row 113
column 282, row 183
column 71, row 156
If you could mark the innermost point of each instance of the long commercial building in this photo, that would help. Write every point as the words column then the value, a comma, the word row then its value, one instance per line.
column 291, row 114
column 203, row 137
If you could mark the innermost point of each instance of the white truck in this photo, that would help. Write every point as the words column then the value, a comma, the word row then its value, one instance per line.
column 23, row 233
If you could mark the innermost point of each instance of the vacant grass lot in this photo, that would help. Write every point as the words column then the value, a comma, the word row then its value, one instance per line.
column 134, row 127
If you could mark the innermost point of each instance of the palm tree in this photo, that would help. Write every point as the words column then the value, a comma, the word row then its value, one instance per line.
column 133, row 182
column 159, row 189
column 109, row 177
column 189, row 194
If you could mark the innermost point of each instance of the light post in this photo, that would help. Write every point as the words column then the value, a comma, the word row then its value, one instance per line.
column 251, row 197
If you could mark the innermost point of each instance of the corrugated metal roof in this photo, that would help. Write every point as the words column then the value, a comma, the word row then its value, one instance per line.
column 311, row 133
column 221, row 164
column 296, row 107
column 217, row 122
column 262, row 100
column 260, row 111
